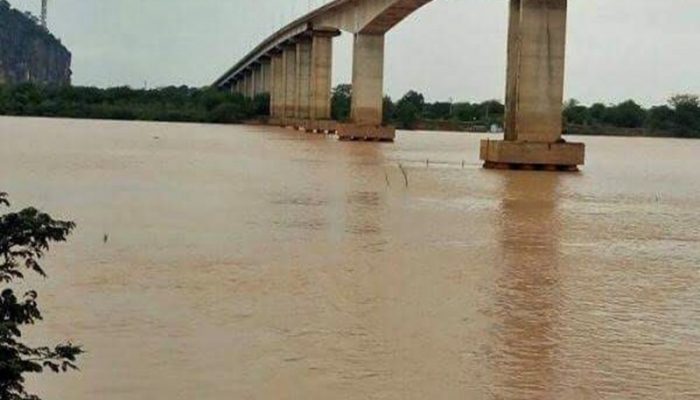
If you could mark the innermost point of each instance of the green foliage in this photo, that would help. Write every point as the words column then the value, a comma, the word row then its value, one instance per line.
column 409, row 109
column 412, row 111
column 174, row 103
column 681, row 117
column 407, row 115
column 685, row 120
column 341, row 100
column 438, row 110
column 415, row 99
column 627, row 114
column 388, row 111
column 575, row 113
column 24, row 239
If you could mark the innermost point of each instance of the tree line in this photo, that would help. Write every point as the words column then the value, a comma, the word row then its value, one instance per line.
column 413, row 112
column 173, row 103
column 679, row 118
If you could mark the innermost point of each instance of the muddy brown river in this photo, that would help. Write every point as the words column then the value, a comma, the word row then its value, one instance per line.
column 260, row 263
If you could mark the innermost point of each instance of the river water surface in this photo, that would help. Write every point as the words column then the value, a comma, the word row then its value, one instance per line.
column 261, row 263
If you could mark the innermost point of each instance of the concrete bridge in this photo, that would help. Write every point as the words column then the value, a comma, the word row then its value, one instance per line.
column 294, row 66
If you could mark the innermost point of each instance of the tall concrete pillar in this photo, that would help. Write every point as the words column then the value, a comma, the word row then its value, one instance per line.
column 534, row 90
column 367, row 79
column 289, row 56
column 250, row 83
column 266, row 68
column 278, row 89
column 536, row 58
column 258, row 79
column 303, row 79
column 321, row 74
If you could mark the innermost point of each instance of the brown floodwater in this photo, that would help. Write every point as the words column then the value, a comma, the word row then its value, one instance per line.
column 261, row 263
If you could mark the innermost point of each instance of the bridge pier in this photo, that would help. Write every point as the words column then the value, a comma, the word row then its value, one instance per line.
column 535, row 91
column 303, row 79
column 367, row 79
column 277, row 85
column 289, row 61
column 321, row 74
column 366, row 111
column 233, row 87
column 257, row 79
column 249, row 83
column 266, row 71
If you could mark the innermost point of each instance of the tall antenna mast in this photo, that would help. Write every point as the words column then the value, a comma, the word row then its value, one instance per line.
column 43, row 12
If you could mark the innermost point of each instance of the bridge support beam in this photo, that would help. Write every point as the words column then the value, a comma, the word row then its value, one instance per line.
column 321, row 74
column 257, row 80
column 367, row 79
column 249, row 83
column 277, row 86
column 366, row 111
column 534, row 91
column 266, row 71
column 303, row 79
column 289, row 57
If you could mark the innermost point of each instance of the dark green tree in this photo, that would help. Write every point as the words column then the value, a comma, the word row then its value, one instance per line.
column 388, row 111
column 439, row 110
column 466, row 112
column 661, row 119
column 575, row 113
column 597, row 113
column 414, row 98
column 686, row 118
column 492, row 112
column 341, row 100
column 24, row 239
column 407, row 110
column 627, row 114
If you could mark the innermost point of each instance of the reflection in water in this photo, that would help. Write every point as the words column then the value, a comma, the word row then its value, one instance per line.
column 527, row 288
column 365, row 204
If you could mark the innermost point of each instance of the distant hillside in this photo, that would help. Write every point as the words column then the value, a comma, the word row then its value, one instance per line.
column 28, row 52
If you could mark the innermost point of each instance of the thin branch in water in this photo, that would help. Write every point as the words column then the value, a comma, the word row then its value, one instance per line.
column 386, row 178
column 405, row 175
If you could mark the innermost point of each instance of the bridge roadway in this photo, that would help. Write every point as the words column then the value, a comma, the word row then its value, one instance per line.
column 294, row 67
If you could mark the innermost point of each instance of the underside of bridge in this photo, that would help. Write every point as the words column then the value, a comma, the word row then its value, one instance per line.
column 294, row 67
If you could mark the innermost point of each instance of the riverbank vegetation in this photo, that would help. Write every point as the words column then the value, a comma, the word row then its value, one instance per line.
column 679, row 118
column 178, row 104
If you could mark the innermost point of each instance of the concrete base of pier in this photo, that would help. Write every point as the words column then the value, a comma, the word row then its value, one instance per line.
column 372, row 133
column 344, row 131
column 560, row 156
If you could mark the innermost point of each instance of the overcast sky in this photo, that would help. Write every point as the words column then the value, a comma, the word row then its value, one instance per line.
column 618, row 49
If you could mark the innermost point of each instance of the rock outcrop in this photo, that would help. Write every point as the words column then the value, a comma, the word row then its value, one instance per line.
column 29, row 52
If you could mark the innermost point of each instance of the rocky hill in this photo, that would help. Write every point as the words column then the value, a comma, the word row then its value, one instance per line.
column 30, row 53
